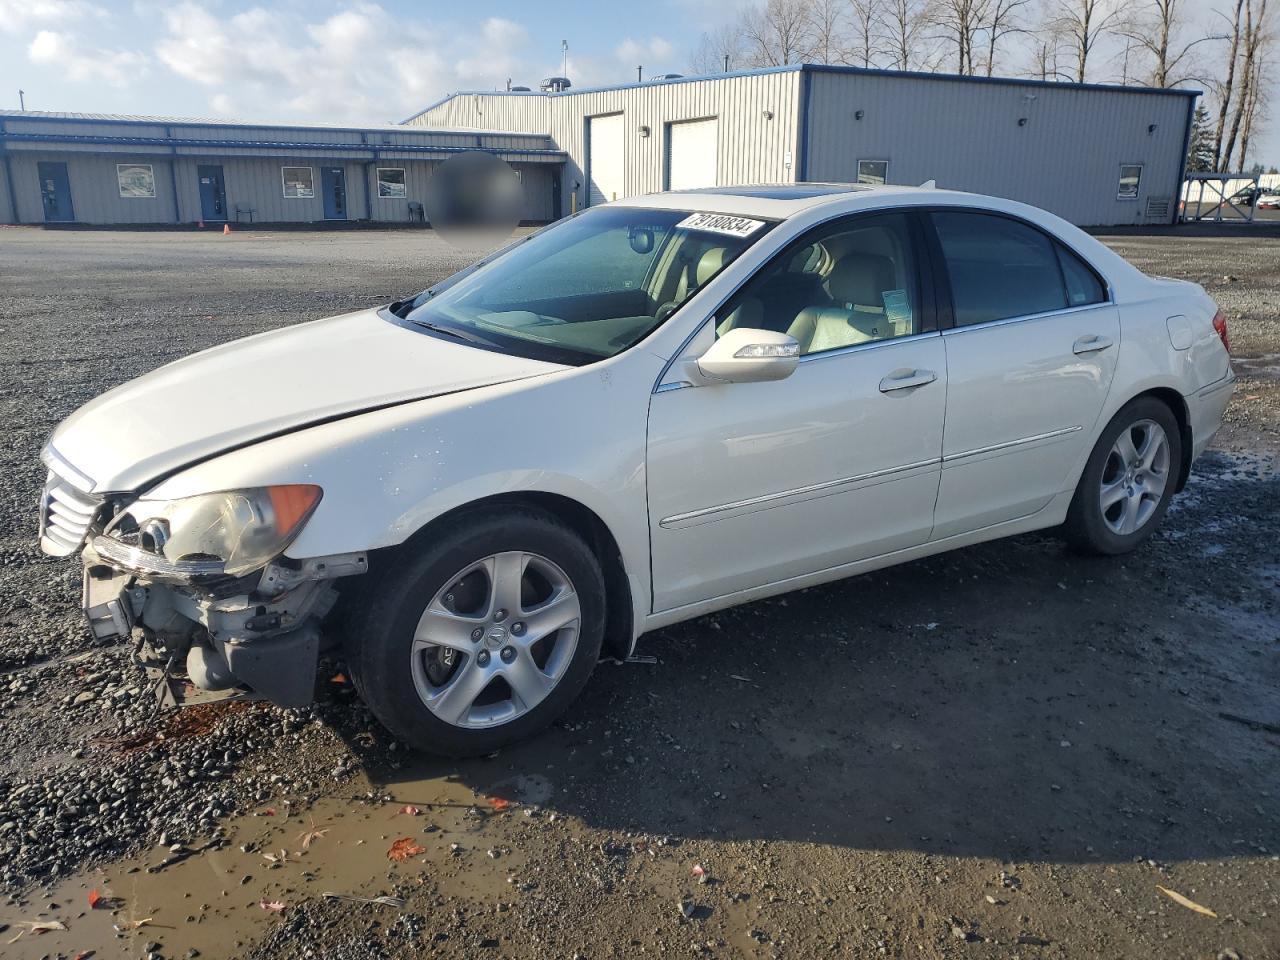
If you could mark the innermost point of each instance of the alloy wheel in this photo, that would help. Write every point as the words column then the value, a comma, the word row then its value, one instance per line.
column 1134, row 477
column 495, row 640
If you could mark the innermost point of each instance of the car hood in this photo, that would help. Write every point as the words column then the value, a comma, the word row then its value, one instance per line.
column 265, row 385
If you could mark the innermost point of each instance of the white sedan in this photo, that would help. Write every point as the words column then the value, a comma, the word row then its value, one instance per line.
column 649, row 411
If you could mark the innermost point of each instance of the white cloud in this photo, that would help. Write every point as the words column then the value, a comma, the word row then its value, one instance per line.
column 656, row 51
column 117, row 68
column 17, row 16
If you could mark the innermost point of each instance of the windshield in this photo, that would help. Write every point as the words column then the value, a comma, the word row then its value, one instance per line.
column 588, row 287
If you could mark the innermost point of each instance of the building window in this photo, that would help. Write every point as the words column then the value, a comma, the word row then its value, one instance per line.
column 299, row 183
column 137, row 180
column 391, row 183
column 1130, row 178
column 873, row 171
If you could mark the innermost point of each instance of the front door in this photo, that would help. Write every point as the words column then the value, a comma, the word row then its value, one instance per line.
column 55, row 191
column 213, row 193
column 758, row 483
column 333, row 183
column 1030, row 361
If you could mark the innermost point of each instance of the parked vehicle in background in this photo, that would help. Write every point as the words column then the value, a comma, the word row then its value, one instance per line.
column 653, row 410
column 1269, row 201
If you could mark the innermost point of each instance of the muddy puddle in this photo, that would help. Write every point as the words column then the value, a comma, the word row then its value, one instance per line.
column 217, row 898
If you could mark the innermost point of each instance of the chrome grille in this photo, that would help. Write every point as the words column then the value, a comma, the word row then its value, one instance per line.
column 65, row 516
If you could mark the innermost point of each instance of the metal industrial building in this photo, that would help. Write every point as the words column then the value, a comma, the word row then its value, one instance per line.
column 1094, row 154
column 80, row 168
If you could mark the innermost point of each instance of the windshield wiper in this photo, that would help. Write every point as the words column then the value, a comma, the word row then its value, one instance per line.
column 450, row 332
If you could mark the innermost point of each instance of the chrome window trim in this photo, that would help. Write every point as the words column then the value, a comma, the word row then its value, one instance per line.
column 1007, row 444
column 870, row 344
column 1065, row 311
column 809, row 492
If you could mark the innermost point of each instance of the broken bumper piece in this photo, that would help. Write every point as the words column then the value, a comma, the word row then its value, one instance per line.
column 203, row 636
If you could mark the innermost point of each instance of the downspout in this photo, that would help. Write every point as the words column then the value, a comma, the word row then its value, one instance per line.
column 8, row 176
column 173, row 174
column 1182, row 164
column 802, row 142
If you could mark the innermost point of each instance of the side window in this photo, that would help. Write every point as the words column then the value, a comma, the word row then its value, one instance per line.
column 1083, row 285
column 999, row 268
column 851, row 282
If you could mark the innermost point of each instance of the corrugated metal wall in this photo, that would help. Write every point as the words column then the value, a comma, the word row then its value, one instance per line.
column 1066, row 158
column 759, row 118
column 252, row 172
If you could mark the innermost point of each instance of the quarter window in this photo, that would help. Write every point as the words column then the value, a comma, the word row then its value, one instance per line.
column 1083, row 285
column 999, row 268
column 843, row 284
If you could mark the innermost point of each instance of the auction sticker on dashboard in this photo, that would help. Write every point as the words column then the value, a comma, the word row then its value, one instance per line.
column 721, row 223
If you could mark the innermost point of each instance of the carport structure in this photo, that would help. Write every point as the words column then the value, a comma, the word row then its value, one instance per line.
column 108, row 169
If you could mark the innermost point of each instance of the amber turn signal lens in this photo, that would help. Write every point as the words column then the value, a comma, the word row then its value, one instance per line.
column 291, row 504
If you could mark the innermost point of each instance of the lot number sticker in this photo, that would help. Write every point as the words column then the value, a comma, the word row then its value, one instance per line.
column 721, row 223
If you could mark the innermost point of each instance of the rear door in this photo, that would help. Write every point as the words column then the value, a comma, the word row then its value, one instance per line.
column 604, row 159
column 1030, row 353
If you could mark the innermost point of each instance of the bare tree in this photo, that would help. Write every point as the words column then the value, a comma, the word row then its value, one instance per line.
column 718, row 50
column 826, row 21
column 1155, row 29
column 1084, row 23
column 959, row 22
column 1254, row 109
column 904, row 24
column 1226, row 89
column 1251, row 49
column 1004, row 18
column 777, row 33
column 867, row 29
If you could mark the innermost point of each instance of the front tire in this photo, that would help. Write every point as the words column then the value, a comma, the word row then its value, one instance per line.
column 483, row 639
column 1128, row 482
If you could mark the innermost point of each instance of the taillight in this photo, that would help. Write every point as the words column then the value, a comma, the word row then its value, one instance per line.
column 1220, row 324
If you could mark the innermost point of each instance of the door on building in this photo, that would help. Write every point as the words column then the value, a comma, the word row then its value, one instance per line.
column 691, row 154
column 604, row 159
column 333, row 182
column 213, row 193
column 55, row 191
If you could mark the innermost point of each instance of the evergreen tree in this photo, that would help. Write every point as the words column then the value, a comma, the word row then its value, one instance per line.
column 1200, row 151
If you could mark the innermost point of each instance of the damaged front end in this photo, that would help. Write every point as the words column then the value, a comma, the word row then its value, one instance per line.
column 201, row 584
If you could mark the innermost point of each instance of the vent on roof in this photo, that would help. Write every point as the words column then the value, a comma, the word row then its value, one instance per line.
column 1158, row 209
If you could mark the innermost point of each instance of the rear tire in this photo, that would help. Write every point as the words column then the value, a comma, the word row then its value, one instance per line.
column 483, row 639
column 1128, row 482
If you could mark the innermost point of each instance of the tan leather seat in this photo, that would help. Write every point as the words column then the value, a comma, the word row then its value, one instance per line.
column 858, row 281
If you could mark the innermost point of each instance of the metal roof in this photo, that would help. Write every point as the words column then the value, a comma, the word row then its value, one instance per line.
column 820, row 68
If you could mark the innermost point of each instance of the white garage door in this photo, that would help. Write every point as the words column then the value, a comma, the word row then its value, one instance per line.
column 691, row 155
column 604, row 159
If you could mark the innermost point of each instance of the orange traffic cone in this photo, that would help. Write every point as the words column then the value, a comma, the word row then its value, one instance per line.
column 226, row 229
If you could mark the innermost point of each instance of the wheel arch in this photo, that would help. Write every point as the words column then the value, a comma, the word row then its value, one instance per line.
column 620, row 616
column 1178, row 407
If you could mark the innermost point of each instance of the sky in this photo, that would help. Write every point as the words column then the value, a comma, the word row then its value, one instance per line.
column 336, row 61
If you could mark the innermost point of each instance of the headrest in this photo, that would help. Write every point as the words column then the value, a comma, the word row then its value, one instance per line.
column 861, row 278
column 709, row 264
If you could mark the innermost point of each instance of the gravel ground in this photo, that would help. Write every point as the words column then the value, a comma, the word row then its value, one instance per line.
column 1003, row 751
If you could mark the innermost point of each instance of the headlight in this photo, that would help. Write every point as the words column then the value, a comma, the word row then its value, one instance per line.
column 240, row 529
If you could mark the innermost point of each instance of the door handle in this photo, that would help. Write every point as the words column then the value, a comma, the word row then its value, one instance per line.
column 906, row 380
column 1091, row 345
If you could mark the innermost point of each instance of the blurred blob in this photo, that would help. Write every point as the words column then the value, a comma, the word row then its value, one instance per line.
column 473, row 201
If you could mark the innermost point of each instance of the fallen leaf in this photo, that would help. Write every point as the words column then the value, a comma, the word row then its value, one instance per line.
column 410, row 810
column 269, row 812
column 275, row 906
column 132, row 924
column 498, row 803
column 95, row 898
column 84, row 954
column 404, row 848
column 338, row 678
column 1183, row 901
column 698, row 870
column 281, row 857
column 308, row 837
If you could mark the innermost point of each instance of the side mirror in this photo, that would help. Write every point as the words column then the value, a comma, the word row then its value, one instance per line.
column 641, row 239
column 744, row 355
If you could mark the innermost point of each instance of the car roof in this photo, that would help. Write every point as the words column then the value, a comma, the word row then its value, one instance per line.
column 781, row 201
